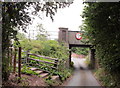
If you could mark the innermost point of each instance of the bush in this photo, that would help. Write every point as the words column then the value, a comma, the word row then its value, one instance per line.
column 106, row 78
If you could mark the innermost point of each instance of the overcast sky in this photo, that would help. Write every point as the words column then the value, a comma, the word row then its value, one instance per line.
column 68, row 17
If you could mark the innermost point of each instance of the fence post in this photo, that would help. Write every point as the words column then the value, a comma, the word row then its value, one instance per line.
column 14, row 62
column 56, row 62
column 19, row 64
column 8, row 55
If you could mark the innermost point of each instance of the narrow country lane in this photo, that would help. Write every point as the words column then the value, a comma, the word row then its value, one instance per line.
column 82, row 75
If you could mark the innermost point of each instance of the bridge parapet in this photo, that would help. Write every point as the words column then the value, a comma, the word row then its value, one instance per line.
column 69, row 37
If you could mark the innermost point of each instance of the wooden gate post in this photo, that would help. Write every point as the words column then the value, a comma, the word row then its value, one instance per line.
column 19, row 64
column 56, row 64
column 14, row 62
column 11, row 56
column 27, row 56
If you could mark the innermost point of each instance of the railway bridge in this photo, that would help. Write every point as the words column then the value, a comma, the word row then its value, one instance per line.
column 74, row 39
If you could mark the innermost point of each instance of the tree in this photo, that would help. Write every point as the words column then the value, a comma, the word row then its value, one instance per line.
column 41, row 37
column 21, row 36
column 102, row 26
column 15, row 15
column 80, row 51
column 42, row 33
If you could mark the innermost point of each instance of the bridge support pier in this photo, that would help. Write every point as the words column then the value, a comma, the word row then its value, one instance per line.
column 70, row 56
column 92, row 58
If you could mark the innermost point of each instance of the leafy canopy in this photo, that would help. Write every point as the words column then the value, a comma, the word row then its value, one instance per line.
column 102, row 26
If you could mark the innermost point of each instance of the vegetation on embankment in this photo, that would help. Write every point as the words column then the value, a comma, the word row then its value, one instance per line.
column 17, row 15
column 50, row 48
column 102, row 28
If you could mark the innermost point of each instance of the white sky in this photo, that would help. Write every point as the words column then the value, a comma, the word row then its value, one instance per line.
column 68, row 17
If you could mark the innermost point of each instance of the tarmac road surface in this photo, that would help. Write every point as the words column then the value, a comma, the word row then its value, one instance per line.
column 82, row 75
